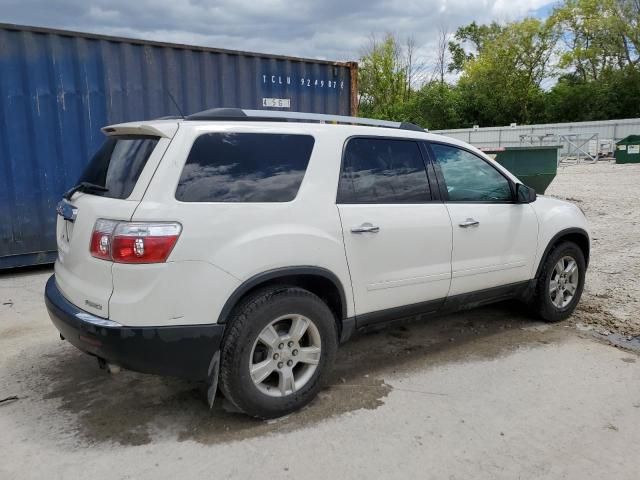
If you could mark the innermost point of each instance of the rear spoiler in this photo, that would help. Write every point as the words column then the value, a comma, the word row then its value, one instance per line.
column 164, row 129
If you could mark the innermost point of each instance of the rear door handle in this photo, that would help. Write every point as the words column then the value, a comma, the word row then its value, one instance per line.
column 469, row 222
column 365, row 228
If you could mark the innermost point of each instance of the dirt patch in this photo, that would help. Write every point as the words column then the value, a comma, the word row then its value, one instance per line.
column 593, row 311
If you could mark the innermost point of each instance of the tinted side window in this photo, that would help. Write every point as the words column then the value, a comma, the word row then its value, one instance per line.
column 118, row 164
column 469, row 178
column 245, row 167
column 379, row 170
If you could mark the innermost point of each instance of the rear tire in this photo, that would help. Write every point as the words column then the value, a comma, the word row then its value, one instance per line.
column 280, row 343
column 560, row 283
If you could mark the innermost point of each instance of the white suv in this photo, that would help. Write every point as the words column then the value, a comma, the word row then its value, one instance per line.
column 241, row 247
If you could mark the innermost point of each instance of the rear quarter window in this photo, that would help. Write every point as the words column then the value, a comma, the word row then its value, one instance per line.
column 244, row 167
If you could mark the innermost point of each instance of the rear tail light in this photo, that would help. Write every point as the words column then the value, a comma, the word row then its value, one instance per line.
column 101, row 239
column 134, row 242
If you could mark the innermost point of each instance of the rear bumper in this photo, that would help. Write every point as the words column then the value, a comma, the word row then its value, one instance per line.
column 185, row 351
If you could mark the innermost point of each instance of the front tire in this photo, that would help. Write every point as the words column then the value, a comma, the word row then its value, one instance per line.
column 560, row 283
column 281, row 342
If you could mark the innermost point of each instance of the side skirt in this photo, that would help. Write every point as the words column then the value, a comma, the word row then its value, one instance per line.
column 418, row 311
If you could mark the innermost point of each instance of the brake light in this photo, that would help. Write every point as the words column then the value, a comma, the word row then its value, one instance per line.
column 100, row 246
column 134, row 242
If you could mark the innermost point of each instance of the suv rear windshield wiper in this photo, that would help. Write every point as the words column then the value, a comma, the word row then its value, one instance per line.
column 84, row 187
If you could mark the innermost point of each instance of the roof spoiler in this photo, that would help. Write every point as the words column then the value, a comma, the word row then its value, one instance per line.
column 164, row 129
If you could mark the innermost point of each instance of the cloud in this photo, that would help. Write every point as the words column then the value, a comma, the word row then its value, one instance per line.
column 327, row 29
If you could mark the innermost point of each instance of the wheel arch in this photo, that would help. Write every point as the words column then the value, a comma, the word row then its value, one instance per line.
column 320, row 281
column 576, row 235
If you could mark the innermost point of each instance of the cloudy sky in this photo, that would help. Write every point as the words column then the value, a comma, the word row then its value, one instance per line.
column 327, row 29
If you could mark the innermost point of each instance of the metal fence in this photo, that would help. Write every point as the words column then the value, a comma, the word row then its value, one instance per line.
column 580, row 141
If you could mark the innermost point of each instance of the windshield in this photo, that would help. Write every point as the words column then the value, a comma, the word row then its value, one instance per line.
column 118, row 164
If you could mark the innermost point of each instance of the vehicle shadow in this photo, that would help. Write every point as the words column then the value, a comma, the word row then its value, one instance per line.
column 130, row 408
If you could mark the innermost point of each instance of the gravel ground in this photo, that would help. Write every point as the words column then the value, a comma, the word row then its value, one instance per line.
column 609, row 194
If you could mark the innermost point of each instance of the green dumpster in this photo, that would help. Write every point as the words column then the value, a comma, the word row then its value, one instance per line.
column 535, row 166
column 628, row 150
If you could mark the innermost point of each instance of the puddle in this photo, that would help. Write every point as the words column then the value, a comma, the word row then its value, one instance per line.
column 627, row 342
column 134, row 409
column 131, row 408
column 624, row 341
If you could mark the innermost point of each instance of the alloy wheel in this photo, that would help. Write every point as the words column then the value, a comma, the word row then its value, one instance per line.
column 564, row 282
column 285, row 355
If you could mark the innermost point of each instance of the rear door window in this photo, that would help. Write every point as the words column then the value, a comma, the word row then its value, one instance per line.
column 380, row 170
column 118, row 164
column 245, row 167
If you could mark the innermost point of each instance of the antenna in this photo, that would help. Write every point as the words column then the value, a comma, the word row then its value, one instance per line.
column 176, row 104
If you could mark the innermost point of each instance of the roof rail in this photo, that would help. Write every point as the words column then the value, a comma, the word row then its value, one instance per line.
column 239, row 114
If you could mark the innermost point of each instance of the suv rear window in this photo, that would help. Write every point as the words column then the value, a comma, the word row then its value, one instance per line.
column 119, row 163
column 245, row 167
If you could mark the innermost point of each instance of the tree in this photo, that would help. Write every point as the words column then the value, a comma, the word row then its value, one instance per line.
column 581, row 63
column 434, row 106
column 470, row 41
column 502, row 83
column 383, row 78
column 442, row 54
column 615, row 95
column 599, row 35
column 600, row 56
column 573, row 99
column 627, row 29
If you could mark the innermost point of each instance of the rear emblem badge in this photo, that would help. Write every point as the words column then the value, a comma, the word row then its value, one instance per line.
column 67, row 211
column 97, row 306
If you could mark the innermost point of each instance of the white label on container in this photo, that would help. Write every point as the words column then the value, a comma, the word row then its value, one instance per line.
column 622, row 147
column 276, row 102
column 633, row 149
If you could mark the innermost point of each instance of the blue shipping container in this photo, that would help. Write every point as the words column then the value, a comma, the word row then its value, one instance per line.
column 58, row 88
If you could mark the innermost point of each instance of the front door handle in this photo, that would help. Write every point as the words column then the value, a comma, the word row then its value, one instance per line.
column 469, row 222
column 365, row 228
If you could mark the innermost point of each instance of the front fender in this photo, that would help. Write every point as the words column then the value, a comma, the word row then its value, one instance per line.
column 557, row 219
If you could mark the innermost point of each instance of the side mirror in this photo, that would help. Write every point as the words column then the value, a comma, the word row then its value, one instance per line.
column 525, row 194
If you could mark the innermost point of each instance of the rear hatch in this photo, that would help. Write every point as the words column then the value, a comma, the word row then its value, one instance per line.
column 111, row 187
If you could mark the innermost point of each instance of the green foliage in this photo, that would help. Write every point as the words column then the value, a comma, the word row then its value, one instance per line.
column 477, row 36
column 615, row 95
column 573, row 99
column 502, row 84
column 434, row 106
column 582, row 63
column 382, row 80
column 600, row 35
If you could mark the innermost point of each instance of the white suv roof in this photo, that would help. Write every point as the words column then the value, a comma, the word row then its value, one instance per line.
column 166, row 126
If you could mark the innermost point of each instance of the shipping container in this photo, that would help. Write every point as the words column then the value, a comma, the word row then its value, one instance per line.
column 58, row 88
